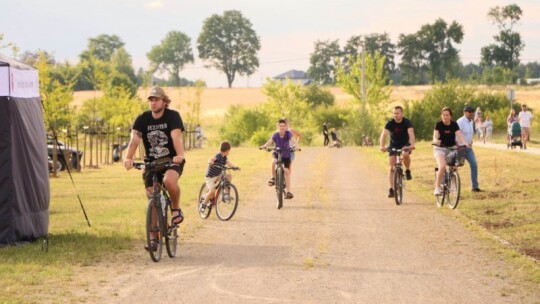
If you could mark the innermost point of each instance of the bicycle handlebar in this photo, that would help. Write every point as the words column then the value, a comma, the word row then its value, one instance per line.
column 278, row 149
column 226, row 167
column 152, row 165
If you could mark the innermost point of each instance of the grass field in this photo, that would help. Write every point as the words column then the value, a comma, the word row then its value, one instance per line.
column 115, row 202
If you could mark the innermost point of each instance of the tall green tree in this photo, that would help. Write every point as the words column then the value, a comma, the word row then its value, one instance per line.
column 434, row 48
column 366, row 115
column 102, row 47
column 121, row 62
column 171, row 55
column 229, row 43
column 323, row 61
column 508, row 46
column 372, row 43
column 413, row 65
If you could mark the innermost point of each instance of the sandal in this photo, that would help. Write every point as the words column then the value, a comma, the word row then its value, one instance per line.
column 289, row 195
column 271, row 182
column 153, row 245
column 178, row 218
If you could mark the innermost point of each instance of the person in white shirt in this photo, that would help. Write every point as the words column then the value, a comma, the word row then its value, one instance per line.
column 488, row 126
column 525, row 118
column 465, row 124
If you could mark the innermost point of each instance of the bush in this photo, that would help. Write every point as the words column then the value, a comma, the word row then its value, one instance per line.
column 241, row 124
column 261, row 136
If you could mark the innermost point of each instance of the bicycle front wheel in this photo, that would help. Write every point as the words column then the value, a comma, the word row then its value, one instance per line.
column 154, row 238
column 454, row 189
column 171, row 233
column 439, row 199
column 280, row 186
column 398, row 185
column 203, row 212
column 227, row 203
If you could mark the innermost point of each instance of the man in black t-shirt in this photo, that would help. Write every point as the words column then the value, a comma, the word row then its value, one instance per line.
column 401, row 133
column 160, row 129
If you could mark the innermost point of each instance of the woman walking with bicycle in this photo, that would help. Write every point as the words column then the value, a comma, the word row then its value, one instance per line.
column 160, row 129
column 282, row 139
column 401, row 133
column 444, row 136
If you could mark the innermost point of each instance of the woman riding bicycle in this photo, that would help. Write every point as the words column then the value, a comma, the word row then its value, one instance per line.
column 282, row 139
column 444, row 136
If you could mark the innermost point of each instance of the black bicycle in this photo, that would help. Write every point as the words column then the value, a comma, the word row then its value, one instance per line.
column 398, row 175
column 280, row 174
column 159, row 210
column 451, row 184
column 225, row 199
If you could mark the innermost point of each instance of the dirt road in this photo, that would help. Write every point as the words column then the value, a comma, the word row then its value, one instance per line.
column 340, row 240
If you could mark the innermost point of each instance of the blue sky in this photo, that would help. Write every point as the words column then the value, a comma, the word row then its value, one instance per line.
column 287, row 29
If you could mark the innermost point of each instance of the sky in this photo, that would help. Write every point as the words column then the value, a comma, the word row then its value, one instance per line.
column 287, row 29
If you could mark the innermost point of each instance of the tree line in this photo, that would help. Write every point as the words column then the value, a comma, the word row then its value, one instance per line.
column 430, row 55
column 229, row 43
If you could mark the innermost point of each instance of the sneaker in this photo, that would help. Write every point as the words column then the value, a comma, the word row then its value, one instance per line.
column 408, row 175
column 202, row 207
column 476, row 190
column 390, row 192
column 437, row 191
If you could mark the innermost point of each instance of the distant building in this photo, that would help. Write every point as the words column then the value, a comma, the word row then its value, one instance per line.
column 298, row 77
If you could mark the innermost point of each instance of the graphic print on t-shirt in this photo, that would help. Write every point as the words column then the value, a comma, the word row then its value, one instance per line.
column 158, row 144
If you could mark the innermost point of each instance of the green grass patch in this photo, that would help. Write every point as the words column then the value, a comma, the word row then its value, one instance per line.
column 115, row 202
column 507, row 209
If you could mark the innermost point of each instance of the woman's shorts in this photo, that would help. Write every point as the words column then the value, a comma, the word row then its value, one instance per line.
column 437, row 151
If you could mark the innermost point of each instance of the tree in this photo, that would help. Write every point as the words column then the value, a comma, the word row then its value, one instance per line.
column 413, row 64
column 508, row 46
column 323, row 61
column 31, row 58
column 432, row 47
column 230, row 44
column 171, row 55
column 366, row 115
column 102, row 47
column 121, row 62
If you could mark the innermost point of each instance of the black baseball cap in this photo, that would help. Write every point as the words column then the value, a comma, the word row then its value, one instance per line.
column 468, row 109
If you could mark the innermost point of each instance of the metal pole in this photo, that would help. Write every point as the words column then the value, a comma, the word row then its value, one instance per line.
column 363, row 75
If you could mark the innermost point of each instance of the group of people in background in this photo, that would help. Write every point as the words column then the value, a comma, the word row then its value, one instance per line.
column 336, row 142
column 483, row 128
column 524, row 118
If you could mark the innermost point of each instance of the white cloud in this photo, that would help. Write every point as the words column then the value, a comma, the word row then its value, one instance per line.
column 155, row 4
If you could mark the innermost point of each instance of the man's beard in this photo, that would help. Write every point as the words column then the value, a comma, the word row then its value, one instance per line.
column 159, row 110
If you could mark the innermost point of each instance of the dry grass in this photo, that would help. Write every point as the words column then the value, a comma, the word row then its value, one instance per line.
column 214, row 101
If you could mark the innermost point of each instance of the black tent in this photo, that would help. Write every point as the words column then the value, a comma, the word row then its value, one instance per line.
column 24, row 175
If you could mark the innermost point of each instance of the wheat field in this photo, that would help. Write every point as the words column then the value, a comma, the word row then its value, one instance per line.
column 215, row 101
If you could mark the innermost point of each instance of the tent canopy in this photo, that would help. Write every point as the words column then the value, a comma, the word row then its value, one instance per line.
column 24, row 176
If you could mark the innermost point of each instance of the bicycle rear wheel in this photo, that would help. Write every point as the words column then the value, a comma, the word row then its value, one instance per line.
column 203, row 213
column 398, row 185
column 454, row 189
column 155, row 241
column 280, row 185
column 226, row 204
column 171, row 233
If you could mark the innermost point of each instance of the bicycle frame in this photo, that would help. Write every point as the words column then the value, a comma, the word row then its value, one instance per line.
column 158, row 206
column 451, row 185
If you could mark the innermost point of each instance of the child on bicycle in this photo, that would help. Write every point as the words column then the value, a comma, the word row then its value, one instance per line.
column 214, row 171
column 282, row 139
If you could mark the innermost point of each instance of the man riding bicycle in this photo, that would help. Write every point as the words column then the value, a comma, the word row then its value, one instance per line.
column 401, row 133
column 160, row 129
